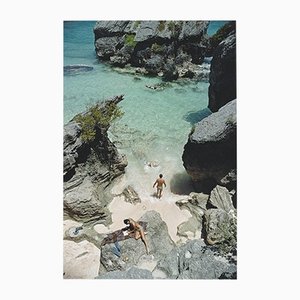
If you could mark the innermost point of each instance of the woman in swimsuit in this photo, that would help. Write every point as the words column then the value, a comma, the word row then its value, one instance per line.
column 137, row 230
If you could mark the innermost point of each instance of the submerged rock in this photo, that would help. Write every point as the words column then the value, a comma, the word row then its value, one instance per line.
column 77, row 69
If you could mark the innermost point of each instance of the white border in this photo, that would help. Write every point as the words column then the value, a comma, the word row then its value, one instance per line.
column 32, row 118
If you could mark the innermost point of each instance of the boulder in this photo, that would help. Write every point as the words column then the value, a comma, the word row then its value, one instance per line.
column 220, row 227
column 222, row 78
column 221, row 198
column 210, row 153
column 132, row 252
column 131, row 195
column 194, row 260
column 196, row 205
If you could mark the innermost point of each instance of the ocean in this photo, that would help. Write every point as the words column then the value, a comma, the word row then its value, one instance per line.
column 156, row 123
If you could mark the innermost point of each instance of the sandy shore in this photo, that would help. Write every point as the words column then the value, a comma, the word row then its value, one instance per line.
column 169, row 211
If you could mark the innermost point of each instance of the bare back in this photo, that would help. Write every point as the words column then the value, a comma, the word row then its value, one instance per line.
column 160, row 182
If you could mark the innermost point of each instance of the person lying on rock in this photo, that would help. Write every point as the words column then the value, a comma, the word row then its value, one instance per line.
column 135, row 230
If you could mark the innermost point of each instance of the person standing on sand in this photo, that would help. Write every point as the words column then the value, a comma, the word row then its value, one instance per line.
column 160, row 182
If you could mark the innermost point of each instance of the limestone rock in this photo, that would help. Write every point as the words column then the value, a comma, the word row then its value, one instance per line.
column 210, row 153
column 81, row 260
column 196, row 205
column 131, row 195
column 220, row 227
column 158, row 46
column 194, row 260
column 221, row 198
column 222, row 88
column 133, row 251
column 89, row 167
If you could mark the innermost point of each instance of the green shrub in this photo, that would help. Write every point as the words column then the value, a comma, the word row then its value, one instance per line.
column 171, row 26
column 162, row 25
column 97, row 116
column 129, row 40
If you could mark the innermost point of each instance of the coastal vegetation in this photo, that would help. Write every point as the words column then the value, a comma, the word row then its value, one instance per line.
column 97, row 116
column 129, row 40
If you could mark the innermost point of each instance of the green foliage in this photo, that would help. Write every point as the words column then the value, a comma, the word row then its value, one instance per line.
column 97, row 116
column 171, row 26
column 129, row 40
column 161, row 26
column 174, row 27
column 156, row 48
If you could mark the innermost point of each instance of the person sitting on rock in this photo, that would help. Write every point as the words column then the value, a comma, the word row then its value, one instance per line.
column 136, row 230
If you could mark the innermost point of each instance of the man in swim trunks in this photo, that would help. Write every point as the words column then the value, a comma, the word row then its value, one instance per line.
column 160, row 182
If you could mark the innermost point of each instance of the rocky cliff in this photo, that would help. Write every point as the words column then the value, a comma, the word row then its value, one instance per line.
column 222, row 78
column 166, row 48
column 89, row 167
column 209, row 156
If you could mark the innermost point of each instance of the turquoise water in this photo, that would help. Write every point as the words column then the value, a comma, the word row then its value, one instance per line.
column 155, row 125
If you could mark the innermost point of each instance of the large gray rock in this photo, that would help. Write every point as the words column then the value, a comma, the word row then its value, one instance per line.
column 133, row 251
column 196, row 205
column 194, row 260
column 193, row 29
column 152, row 29
column 221, row 198
column 220, row 227
column 89, row 167
column 222, row 88
column 210, row 153
column 110, row 28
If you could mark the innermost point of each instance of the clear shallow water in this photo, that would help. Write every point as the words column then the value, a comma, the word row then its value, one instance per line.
column 155, row 125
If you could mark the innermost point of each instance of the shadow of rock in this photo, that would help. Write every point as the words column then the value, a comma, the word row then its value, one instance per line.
column 181, row 184
column 195, row 117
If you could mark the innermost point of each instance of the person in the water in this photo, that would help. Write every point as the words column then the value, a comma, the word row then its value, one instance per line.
column 159, row 182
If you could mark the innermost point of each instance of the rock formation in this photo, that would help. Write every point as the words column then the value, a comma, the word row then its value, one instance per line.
column 167, row 48
column 210, row 153
column 89, row 167
column 222, row 77
column 214, row 216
